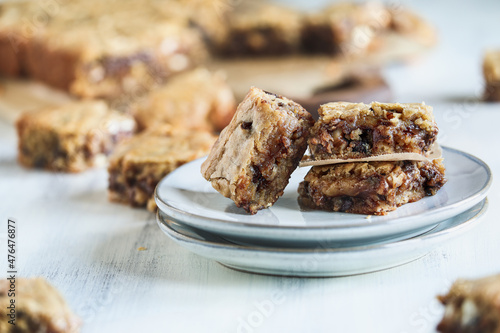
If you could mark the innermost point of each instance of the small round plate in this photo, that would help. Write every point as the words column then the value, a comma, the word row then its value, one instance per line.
column 319, row 261
column 184, row 195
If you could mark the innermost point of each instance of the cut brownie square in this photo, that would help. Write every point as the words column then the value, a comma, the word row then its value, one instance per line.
column 491, row 72
column 195, row 99
column 139, row 163
column 472, row 306
column 357, row 130
column 39, row 307
column 71, row 137
column 345, row 27
column 256, row 153
column 372, row 188
column 256, row 29
column 97, row 49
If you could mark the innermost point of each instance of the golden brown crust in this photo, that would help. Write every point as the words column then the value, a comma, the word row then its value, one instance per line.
column 371, row 187
column 72, row 137
column 472, row 306
column 139, row 163
column 354, row 130
column 255, row 154
column 195, row 99
column 39, row 308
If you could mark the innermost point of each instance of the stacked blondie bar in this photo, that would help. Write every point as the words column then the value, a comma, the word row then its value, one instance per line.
column 134, row 67
column 256, row 154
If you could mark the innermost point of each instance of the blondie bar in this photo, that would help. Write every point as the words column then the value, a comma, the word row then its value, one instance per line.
column 373, row 188
column 472, row 306
column 194, row 99
column 256, row 29
column 256, row 153
column 357, row 130
column 139, row 163
column 71, row 137
column 345, row 27
column 97, row 49
column 491, row 72
column 39, row 307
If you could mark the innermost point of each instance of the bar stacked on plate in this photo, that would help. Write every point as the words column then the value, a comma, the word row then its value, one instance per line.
column 347, row 131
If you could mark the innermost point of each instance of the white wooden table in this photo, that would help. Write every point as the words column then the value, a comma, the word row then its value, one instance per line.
column 88, row 247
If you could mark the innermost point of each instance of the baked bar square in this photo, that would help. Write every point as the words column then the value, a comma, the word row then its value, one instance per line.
column 372, row 188
column 256, row 153
column 194, row 99
column 472, row 306
column 347, row 27
column 72, row 137
column 98, row 49
column 491, row 72
column 139, row 163
column 356, row 130
column 258, row 29
column 39, row 307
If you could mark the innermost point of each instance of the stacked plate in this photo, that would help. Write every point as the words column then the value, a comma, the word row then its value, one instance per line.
column 284, row 240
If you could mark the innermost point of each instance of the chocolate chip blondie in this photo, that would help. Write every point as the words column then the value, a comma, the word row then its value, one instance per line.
column 195, row 99
column 139, row 163
column 97, row 49
column 39, row 307
column 71, row 137
column 472, row 306
column 256, row 153
column 372, row 188
column 257, row 29
column 491, row 73
column 347, row 27
column 356, row 130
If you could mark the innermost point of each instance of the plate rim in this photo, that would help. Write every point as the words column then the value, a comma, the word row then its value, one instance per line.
column 462, row 226
column 474, row 198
